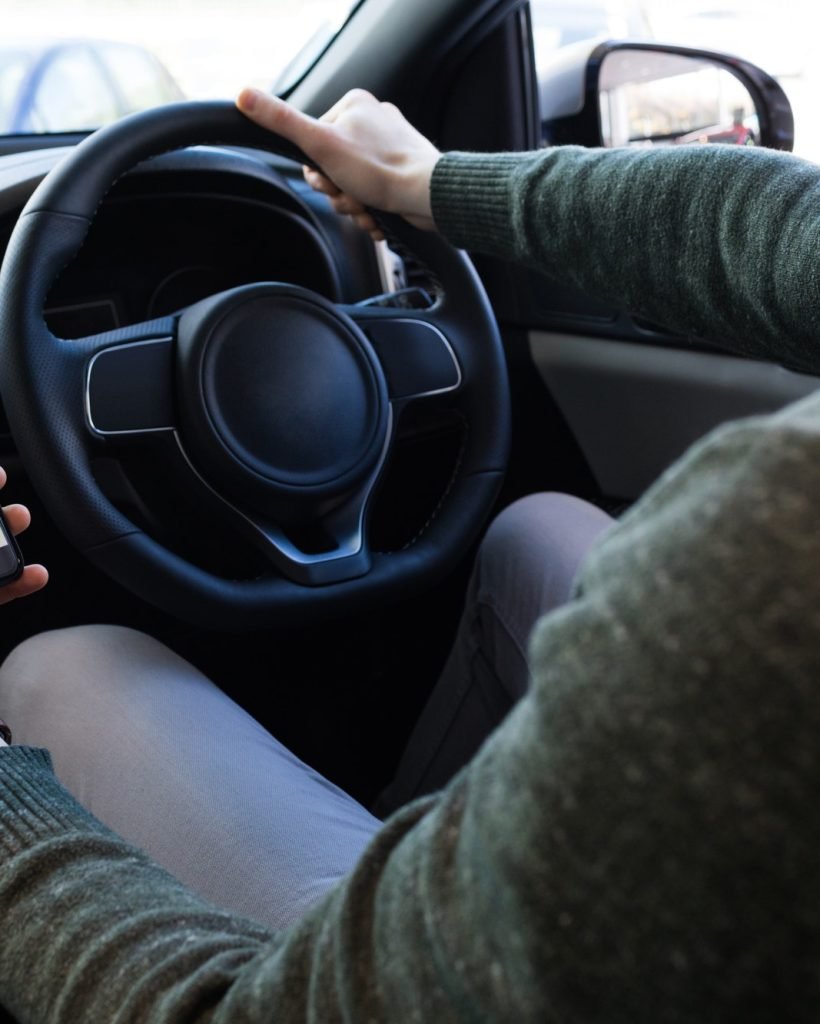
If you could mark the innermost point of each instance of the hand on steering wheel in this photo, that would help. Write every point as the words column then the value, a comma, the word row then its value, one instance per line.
column 371, row 156
column 34, row 576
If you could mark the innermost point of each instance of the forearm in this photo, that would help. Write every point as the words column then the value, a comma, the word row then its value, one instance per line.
column 715, row 241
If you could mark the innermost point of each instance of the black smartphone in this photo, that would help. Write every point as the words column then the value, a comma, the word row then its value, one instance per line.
column 11, row 558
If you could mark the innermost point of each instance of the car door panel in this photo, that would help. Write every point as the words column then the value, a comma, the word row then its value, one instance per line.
column 634, row 408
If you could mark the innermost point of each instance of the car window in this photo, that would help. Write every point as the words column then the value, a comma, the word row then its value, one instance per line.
column 778, row 38
column 140, row 78
column 149, row 52
column 12, row 71
column 558, row 23
column 72, row 94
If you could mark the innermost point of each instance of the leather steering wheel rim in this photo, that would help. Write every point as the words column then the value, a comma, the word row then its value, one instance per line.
column 42, row 382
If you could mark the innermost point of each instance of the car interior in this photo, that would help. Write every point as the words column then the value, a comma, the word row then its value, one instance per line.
column 561, row 391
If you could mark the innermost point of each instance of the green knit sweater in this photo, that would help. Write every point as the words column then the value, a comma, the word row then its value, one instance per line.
column 640, row 840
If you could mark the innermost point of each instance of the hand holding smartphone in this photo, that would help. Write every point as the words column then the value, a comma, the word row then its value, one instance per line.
column 16, row 578
column 11, row 558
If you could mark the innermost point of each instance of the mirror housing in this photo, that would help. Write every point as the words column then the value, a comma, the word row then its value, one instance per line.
column 575, row 91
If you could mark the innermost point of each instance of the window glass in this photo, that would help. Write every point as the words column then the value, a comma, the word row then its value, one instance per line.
column 140, row 78
column 780, row 38
column 157, row 50
column 558, row 23
column 72, row 93
column 12, row 72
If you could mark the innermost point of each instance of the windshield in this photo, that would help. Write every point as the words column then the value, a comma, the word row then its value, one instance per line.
column 75, row 66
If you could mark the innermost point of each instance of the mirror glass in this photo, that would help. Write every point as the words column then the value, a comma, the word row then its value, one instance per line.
column 649, row 98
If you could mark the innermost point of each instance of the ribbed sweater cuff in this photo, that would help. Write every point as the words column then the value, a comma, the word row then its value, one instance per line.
column 471, row 196
column 33, row 804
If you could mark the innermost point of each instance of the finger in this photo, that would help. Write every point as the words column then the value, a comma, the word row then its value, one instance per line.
column 34, row 578
column 3, row 477
column 330, row 116
column 277, row 116
column 353, row 97
column 18, row 517
column 320, row 182
column 368, row 223
column 344, row 204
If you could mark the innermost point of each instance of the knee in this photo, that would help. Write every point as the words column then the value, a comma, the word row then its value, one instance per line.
column 532, row 527
column 66, row 660
column 537, row 543
column 57, row 686
column 543, row 518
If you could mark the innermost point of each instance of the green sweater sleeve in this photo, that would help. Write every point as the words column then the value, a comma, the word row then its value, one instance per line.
column 637, row 842
column 722, row 242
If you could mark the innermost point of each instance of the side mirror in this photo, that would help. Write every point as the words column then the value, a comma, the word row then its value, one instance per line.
column 647, row 94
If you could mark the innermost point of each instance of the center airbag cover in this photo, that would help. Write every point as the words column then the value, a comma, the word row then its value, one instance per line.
column 281, row 393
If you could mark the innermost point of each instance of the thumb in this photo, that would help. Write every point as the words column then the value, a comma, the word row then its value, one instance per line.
column 277, row 116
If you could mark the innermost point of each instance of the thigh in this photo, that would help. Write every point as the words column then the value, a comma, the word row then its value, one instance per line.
column 526, row 566
column 163, row 757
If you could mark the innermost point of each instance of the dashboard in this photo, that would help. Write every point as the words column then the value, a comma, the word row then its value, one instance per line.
column 148, row 257
column 189, row 224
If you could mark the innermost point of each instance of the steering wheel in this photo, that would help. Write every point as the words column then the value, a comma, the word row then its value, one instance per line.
column 282, row 403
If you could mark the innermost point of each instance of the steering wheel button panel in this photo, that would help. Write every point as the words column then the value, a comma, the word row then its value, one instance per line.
column 128, row 389
column 416, row 357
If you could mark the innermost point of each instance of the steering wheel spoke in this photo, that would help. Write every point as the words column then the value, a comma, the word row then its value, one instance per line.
column 329, row 547
column 336, row 553
column 129, row 383
column 416, row 356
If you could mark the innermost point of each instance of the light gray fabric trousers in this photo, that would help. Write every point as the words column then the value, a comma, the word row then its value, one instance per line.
column 163, row 757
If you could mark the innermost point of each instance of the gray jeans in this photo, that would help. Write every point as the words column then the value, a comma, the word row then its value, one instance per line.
column 163, row 757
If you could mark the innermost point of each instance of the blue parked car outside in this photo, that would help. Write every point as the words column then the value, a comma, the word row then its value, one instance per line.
column 74, row 85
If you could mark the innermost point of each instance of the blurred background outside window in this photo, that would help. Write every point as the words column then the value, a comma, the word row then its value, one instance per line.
column 71, row 66
column 778, row 37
